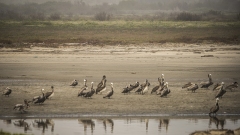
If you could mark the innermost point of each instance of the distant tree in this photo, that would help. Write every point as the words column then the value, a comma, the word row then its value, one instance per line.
column 55, row 16
column 102, row 16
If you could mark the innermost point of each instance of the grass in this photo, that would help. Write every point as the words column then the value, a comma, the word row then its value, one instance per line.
column 118, row 32
column 6, row 133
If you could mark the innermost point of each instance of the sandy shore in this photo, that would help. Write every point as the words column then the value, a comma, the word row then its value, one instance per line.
column 27, row 70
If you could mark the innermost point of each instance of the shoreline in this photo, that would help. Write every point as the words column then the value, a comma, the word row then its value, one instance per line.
column 27, row 73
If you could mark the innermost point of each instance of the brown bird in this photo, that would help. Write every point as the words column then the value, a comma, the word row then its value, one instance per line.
column 7, row 92
column 110, row 93
column 49, row 95
column 21, row 107
column 217, row 86
column 221, row 92
column 232, row 86
column 187, row 85
column 133, row 87
column 74, row 83
column 208, row 83
column 154, row 89
column 165, row 90
column 193, row 87
column 102, row 87
column 90, row 93
column 215, row 108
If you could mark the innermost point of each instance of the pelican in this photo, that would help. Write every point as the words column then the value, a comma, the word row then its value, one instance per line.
column 165, row 90
column 84, row 84
column 49, row 95
column 74, row 83
column 193, row 87
column 208, row 83
column 102, row 82
column 102, row 88
column 39, row 99
column 7, row 92
column 110, row 93
column 83, row 90
column 145, row 87
column 156, row 87
column 187, row 85
column 221, row 92
column 21, row 107
column 133, row 87
column 139, row 90
column 125, row 90
column 217, row 86
column 232, row 86
column 215, row 108
column 90, row 93
column 162, row 83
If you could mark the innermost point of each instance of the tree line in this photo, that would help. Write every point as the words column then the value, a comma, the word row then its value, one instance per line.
column 55, row 10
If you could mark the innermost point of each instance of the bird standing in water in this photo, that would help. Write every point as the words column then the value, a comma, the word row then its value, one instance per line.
column 215, row 108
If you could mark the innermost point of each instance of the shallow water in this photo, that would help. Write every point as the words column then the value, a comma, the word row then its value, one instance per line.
column 119, row 126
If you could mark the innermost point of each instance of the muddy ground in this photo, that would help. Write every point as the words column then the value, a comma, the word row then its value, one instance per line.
column 27, row 70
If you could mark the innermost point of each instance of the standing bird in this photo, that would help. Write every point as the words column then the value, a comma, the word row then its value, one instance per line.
column 208, row 83
column 154, row 89
column 217, row 86
column 21, row 107
column 83, row 90
column 165, row 90
column 39, row 99
column 145, row 87
column 102, row 82
column 110, row 93
column 215, row 108
column 102, row 88
column 7, row 92
column 193, row 87
column 162, row 83
column 84, row 84
column 232, row 86
column 49, row 95
column 74, row 83
column 90, row 93
column 221, row 92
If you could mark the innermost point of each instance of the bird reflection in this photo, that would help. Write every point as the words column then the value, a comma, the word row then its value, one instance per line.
column 22, row 123
column 163, row 123
column 217, row 122
column 40, row 123
column 86, row 123
column 110, row 122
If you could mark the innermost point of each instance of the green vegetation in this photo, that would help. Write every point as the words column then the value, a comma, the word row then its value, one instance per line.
column 6, row 133
column 118, row 32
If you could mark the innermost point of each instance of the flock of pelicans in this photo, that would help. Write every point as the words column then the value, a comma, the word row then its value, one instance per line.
column 161, row 89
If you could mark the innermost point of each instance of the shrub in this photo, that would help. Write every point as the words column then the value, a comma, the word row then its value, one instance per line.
column 102, row 16
column 55, row 16
column 184, row 16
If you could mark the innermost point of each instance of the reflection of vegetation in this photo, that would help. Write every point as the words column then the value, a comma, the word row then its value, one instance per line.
column 6, row 133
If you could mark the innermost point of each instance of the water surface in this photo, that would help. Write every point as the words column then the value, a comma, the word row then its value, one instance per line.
column 119, row 126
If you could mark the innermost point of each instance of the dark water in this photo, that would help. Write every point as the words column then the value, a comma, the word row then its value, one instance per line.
column 119, row 126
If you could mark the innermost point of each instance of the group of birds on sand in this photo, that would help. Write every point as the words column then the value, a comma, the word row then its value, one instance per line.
column 161, row 89
column 217, row 86
column 101, row 87
column 36, row 100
